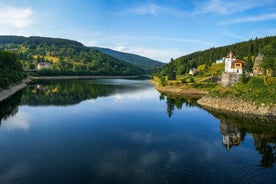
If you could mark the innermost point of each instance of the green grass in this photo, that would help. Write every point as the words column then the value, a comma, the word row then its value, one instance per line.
column 255, row 90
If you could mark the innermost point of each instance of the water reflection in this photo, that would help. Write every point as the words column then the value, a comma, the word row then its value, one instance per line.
column 232, row 135
column 9, row 107
column 234, row 129
column 62, row 93
column 127, row 138
column 177, row 102
column 263, row 132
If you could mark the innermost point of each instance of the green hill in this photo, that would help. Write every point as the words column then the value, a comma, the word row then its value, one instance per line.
column 247, row 51
column 145, row 63
column 66, row 57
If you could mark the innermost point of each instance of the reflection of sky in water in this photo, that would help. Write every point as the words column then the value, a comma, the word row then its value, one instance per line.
column 20, row 121
column 122, row 138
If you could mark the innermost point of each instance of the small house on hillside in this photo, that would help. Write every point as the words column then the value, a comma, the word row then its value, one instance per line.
column 232, row 64
column 192, row 71
column 220, row 60
column 43, row 65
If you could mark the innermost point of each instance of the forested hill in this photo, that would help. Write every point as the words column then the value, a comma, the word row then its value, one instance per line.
column 246, row 51
column 66, row 57
column 36, row 40
column 145, row 63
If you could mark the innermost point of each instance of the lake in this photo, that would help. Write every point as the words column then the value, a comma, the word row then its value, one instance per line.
column 124, row 131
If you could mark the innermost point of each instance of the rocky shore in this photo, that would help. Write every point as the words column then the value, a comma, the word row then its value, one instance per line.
column 6, row 93
column 224, row 105
column 236, row 106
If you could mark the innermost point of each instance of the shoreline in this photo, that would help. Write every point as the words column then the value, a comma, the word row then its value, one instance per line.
column 224, row 105
column 6, row 93
column 237, row 106
column 82, row 77
column 173, row 90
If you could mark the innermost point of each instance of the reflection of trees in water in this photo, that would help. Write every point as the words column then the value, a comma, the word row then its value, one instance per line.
column 263, row 132
column 9, row 107
column 177, row 102
column 67, row 92
column 266, row 148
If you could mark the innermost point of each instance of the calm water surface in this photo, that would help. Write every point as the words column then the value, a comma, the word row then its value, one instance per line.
column 124, row 131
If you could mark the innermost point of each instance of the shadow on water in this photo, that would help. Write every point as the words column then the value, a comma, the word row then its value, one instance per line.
column 9, row 107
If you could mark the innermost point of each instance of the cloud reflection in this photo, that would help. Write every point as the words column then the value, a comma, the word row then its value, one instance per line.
column 20, row 121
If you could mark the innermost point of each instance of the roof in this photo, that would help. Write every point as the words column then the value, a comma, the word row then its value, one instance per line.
column 44, row 64
column 239, row 61
column 229, row 54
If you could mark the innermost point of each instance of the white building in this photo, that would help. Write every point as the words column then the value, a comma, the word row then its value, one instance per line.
column 220, row 60
column 232, row 64
column 43, row 65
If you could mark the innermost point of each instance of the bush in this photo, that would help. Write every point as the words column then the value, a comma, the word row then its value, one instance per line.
column 192, row 79
column 163, row 80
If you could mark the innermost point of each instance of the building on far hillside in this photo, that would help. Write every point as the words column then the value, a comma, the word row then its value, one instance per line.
column 192, row 71
column 220, row 60
column 43, row 65
column 232, row 64
column 233, row 70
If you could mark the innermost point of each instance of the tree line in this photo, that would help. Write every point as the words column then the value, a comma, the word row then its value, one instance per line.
column 247, row 51
column 11, row 70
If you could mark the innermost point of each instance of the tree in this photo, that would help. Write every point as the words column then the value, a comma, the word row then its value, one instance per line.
column 249, row 64
column 268, row 61
column 171, row 71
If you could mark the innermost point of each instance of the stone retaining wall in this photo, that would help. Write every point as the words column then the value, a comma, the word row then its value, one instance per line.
column 237, row 106
column 11, row 90
column 228, row 79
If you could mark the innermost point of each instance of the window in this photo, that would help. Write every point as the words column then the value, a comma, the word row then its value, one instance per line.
column 238, row 64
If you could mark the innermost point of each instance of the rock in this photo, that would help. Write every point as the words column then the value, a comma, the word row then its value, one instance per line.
column 237, row 105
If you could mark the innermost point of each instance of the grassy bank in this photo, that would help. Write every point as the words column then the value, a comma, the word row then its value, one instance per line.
column 256, row 90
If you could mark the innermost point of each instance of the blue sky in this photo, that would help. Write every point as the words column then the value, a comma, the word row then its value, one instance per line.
column 159, row 29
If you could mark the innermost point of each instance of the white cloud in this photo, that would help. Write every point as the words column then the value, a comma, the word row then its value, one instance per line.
column 145, row 9
column 259, row 18
column 154, row 9
column 224, row 7
column 16, row 17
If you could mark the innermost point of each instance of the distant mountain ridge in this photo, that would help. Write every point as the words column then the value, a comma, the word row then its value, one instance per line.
column 143, row 62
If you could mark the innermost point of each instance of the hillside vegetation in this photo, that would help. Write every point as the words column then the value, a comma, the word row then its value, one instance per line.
column 66, row 57
column 11, row 70
column 247, row 51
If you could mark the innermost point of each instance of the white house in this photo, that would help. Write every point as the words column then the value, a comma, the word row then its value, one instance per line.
column 220, row 60
column 192, row 71
column 232, row 64
column 43, row 65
